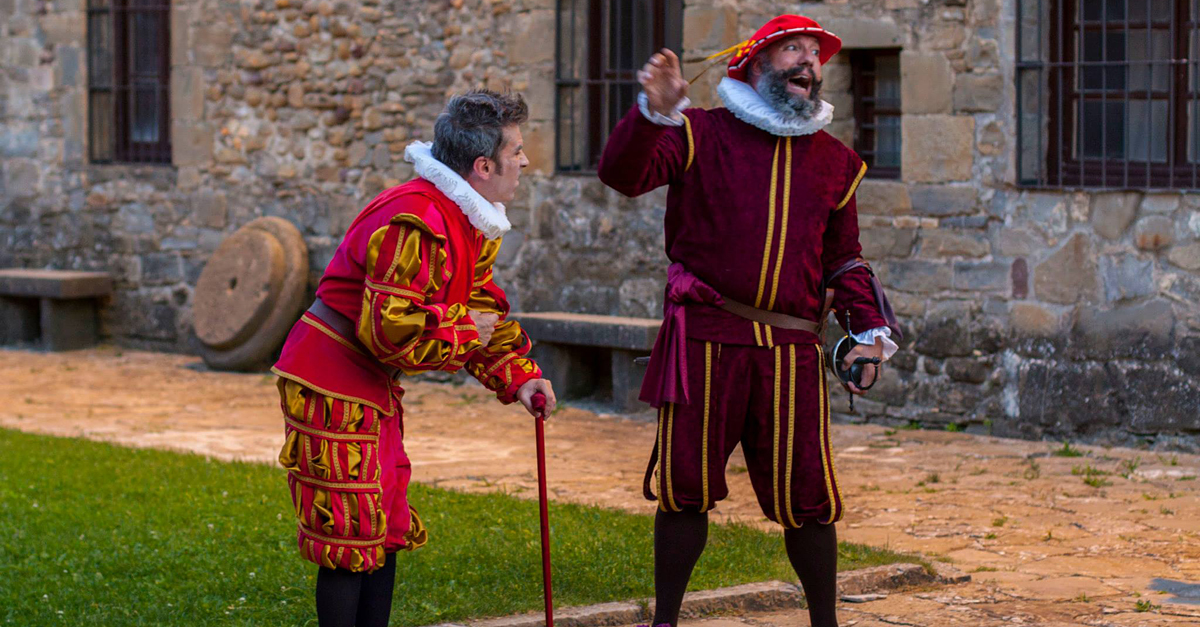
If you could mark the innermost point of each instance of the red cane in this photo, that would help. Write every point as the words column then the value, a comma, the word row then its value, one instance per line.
column 539, row 405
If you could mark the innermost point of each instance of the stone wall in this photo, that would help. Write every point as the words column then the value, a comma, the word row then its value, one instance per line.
column 1031, row 313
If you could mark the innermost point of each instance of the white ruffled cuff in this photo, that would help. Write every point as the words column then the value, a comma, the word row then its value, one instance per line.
column 658, row 118
column 868, row 337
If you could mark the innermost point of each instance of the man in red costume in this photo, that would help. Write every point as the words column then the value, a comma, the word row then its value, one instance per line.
column 409, row 290
column 761, row 222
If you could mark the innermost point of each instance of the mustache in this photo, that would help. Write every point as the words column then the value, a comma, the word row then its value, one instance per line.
column 791, row 73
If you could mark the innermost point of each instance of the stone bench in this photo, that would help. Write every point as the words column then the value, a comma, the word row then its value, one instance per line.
column 591, row 356
column 54, row 307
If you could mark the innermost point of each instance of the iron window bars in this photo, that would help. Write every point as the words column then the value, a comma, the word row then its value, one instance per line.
column 1108, row 94
column 128, row 81
column 600, row 45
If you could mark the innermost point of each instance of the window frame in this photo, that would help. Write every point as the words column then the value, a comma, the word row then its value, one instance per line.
column 863, row 68
column 599, row 83
column 1063, row 164
column 119, row 85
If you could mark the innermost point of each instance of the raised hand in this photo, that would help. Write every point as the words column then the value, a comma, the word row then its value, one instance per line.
column 662, row 80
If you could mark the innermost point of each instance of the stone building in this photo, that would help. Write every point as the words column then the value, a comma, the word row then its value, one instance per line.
column 1030, row 205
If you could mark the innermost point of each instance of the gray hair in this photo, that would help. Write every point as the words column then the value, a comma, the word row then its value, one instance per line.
column 472, row 126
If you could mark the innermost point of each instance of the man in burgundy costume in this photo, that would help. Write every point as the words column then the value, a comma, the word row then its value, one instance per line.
column 761, row 222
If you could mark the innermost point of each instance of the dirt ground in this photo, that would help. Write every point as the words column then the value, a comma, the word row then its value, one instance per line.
column 1043, row 547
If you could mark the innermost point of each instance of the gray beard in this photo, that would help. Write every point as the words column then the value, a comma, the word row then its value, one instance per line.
column 772, row 86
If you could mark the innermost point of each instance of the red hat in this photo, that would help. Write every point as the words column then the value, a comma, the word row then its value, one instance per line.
column 776, row 29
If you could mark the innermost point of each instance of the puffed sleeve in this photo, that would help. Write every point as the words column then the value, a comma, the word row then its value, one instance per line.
column 400, row 323
column 502, row 366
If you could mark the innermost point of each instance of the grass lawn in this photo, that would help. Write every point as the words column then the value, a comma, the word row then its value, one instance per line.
column 96, row 534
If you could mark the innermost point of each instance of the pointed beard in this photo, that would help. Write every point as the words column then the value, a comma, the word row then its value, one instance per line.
column 772, row 85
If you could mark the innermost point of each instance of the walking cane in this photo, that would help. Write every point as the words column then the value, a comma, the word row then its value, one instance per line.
column 539, row 405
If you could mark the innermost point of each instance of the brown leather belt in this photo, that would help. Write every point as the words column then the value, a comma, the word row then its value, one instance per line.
column 345, row 328
column 779, row 320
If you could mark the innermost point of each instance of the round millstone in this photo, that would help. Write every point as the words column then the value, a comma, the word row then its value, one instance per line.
column 238, row 288
column 260, row 342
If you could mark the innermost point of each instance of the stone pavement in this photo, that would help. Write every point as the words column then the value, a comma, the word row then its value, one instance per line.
column 1044, row 546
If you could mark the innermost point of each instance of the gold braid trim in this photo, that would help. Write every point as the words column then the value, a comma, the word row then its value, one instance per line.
column 341, row 397
column 337, row 338
column 853, row 186
column 687, row 126
column 346, row 541
column 337, row 485
column 330, row 435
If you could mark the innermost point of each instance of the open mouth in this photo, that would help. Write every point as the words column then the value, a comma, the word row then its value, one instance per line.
column 801, row 81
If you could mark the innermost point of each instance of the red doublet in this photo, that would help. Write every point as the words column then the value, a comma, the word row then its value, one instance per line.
column 406, row 274
column 762, row 219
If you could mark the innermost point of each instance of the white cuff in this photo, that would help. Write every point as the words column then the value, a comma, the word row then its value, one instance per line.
column 658, row 118
column 868, row 337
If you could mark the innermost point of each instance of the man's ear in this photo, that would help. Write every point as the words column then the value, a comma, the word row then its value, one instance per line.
column 482, row 167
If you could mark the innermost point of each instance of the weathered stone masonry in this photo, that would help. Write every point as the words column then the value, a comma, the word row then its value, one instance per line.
column 1037, row 313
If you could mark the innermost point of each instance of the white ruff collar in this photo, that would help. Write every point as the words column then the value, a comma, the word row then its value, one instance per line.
column 488, row 217
column 749, row 107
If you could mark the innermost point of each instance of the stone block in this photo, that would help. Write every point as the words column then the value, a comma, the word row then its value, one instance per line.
column 969, row 369
column 161, row 268
column 1154, row 232
column 1160, row 203
column 981, row 276
column 1034, row 320
column 1127, row 331
column 1186, row 256
column 636, row 334
column 1112, row 213
column 627, row 380
column 191, row 143
column 527, row 47
column 1187, row 355
column 21, row 178
column 1017, row 242
column 978, row 93
column 19, row 321
column 939, row 243
column 210, row 209
column 187, row 93
column 180, row 37
column 923, row 277
column 1067, row 275
column 573, row 372
column 880, row 197
column 1047, row 211
column 58, row 284
column 944, row 200
column 1127, row 277
column 539, row 146
column 1158, row 398
column 1066, row 399
column 883, row 243
column 706, row 27
column 862, row 32
column 68, row 324
column 926, row 83
column 1020, row 278
column 937, row 148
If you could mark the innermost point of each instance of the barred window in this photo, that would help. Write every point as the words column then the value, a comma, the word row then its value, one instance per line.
column 875, row 84
column 128, row 69
column 1107, row 93
column 601, row 44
